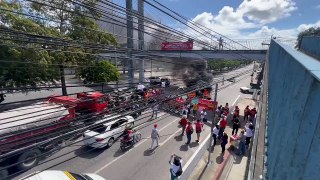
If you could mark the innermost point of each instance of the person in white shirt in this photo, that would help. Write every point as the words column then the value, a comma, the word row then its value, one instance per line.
column 215, row 133
column 176, row 167
column 249, row 133
column 155, row 111
column 203, row 115
column 155, row 136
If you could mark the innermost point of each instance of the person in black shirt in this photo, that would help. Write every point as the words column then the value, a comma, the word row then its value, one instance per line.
column 236, row 125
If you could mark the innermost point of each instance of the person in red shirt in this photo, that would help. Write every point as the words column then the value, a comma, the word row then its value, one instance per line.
column 253, row 113
column 189, row 131
column 183, row 123
column 246, row 113
column 236, row 113
column 223, row 125
column 198, row 127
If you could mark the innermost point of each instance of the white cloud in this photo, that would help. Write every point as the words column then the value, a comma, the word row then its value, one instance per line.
column 266, row 11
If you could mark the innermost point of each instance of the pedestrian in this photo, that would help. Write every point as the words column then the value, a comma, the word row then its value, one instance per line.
column 253, row 113
column 199, row 128
column 203, row 115
column 189, row 131
column 188, row 108
column 184, row 111
column 220, row 110
column 242, row 142
column 226, row 109
column 222, row 126
column 249, row 133
column 155, row 111
column 215, row 133
column 176, row 167
column 236, row 113
column 224, row 142
column 235, row 127
column 155, row 136
column 183, row 123
column 195, row 110
column 246, row 113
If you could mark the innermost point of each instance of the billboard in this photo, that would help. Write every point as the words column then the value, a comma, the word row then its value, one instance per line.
column 167, row 46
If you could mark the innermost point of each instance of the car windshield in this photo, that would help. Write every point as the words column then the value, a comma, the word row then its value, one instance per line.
column 99, row 129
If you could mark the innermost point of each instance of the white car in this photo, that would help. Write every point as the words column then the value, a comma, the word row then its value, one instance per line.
column 250, row 89
column 105, row 134
column 61, row 175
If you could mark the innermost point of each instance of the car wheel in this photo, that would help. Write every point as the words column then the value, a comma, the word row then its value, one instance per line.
column 29, row 159
column 130, row 125
column 246, row 92
column 110, row 142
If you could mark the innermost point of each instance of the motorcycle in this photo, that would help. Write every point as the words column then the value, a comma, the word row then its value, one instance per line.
column 124, row 144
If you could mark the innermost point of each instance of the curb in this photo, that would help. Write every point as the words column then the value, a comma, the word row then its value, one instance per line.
column 222, row 166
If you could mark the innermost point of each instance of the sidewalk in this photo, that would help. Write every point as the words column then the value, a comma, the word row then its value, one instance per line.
column 228, row 165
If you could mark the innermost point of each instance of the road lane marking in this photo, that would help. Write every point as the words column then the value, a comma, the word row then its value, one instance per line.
column 235, row 100
column 111, row 162
column 195, row 153
column 159, row 116
column 169, row 137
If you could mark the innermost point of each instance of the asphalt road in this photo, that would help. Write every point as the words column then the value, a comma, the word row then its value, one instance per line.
column 139, row 163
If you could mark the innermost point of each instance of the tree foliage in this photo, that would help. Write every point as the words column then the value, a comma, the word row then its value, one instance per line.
column 100, row 71
column 313, row 31
column 221, row 64
column 68, row 20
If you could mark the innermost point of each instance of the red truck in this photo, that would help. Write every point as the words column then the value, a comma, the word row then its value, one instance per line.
column 29, row 125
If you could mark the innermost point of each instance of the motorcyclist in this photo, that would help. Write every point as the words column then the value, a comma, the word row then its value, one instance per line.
column 128, row 135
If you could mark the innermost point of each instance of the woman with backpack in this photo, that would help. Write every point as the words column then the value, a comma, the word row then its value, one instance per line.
column 198, row 127
column 176, row 167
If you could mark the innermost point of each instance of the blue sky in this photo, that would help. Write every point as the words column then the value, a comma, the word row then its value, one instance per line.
column 245, row 18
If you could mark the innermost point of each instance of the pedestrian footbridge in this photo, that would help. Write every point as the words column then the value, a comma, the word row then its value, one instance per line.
column 258, row 55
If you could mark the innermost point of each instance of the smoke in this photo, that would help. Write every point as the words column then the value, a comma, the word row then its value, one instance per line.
column 192, row 73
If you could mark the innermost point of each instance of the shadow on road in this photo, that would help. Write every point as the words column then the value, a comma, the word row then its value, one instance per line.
column 119, row 152
column 83, row 152
column 184, row 147
column 220, row 159
column 178, row 138
column 149, row 152
column 193, row 144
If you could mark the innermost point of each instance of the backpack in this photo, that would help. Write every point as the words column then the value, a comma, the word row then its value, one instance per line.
column 179, row 172
column 191, row 130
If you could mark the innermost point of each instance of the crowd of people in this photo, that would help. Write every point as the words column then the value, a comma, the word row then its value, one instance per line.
column 193, row 120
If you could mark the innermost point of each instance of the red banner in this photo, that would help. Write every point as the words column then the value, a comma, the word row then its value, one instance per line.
column 167, row 46
column 207, row 104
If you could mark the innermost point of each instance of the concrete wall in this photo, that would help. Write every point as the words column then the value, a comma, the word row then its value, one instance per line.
column 311, row 45
column 293, row 132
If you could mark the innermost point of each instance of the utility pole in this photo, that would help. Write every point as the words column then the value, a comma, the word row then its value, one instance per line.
column 130, row 40
column 213, row 121
column 141, row 38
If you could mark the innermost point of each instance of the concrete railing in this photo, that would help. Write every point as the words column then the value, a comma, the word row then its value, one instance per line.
column 293, row 118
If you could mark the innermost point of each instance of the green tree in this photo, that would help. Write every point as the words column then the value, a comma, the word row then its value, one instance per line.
column 20, row 64
column 313, row 31
column 99, row 72
column 71, row 22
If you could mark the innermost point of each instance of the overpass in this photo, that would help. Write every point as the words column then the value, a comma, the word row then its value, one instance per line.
column 258, row 55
